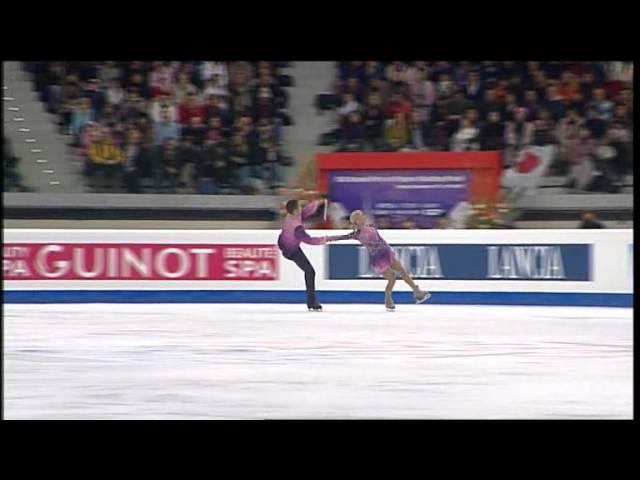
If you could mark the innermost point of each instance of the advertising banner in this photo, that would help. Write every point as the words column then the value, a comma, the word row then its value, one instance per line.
column 517, row 267
column 398, row 195
column 136, row 261
column 544, row 262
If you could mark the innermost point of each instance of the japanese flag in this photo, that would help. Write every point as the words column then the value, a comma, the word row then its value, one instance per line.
column 531, row 166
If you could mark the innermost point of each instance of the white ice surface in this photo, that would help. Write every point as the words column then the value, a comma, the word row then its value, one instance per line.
column 190, row 361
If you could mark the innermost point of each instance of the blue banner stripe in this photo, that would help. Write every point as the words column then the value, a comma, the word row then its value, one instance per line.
column 329, row 296
column 503, row 262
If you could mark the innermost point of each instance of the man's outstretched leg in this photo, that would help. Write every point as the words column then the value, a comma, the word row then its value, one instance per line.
column 303, row 263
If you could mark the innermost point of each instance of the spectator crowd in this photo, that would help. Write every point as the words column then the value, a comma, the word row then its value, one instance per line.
column 199, row 126
column 584, row 109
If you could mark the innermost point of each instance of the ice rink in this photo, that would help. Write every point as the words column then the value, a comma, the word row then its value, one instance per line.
column 224, row 361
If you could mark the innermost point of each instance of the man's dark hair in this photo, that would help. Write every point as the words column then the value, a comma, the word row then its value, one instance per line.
column 292, row 205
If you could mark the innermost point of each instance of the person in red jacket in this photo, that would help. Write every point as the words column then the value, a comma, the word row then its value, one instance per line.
column 398, row 105
column 189, row 109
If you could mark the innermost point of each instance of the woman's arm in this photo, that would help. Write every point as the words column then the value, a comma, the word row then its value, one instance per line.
column 347, row 236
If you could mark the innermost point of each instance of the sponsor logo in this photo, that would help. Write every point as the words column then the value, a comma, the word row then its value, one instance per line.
column 139, row 262
column 525, row 262
column 561, row 262
column 423, row 262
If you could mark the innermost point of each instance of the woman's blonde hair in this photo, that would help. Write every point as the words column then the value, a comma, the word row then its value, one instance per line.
column 354, row 215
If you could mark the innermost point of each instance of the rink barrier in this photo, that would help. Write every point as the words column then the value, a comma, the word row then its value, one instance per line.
column 484, row 267
column 329, row 297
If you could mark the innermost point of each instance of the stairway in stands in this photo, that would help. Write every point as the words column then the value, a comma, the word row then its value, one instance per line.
column 46, row 164
column 301, row 138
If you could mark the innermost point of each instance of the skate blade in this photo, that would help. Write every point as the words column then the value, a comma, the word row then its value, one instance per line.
column 422, row 300
column 391, row 309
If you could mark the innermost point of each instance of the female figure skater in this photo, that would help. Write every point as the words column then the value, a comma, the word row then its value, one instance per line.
column 292, row 234
column 383, row 259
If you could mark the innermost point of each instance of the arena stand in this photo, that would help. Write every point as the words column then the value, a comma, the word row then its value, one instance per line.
column 181, row 127
column 583, row 109
column 216, row 128
column 10, row 167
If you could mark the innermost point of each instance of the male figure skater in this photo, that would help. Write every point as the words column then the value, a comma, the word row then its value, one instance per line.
column 292, row 234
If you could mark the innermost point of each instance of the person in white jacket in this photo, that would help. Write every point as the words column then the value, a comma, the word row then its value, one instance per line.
column 517, row 135
column 160, row 107
column 466, row 138
column 209, row 69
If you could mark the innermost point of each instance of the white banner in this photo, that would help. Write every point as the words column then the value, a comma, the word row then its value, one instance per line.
column 610, row 263
column 532, row 164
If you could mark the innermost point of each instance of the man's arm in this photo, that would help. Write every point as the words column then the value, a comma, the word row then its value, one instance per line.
column 303, row 236
column 310, row 208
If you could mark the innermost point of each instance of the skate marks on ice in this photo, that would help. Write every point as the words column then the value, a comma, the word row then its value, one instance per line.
column 350, row 361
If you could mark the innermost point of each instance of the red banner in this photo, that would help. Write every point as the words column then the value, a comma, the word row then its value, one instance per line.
column 136, row 261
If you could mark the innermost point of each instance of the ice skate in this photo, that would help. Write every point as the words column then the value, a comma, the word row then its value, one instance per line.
column 421, row 296
column 315, row 308
column 388, row 303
